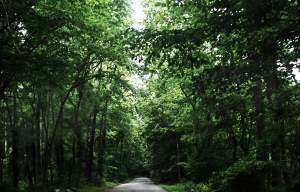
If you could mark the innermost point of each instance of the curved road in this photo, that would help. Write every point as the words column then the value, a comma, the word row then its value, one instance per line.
column 141, row 184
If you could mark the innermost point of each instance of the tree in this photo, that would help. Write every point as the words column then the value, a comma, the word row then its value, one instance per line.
column 232, row 51
column 59, row 49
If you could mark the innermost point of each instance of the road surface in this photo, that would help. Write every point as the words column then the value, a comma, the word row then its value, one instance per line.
column 140, row 184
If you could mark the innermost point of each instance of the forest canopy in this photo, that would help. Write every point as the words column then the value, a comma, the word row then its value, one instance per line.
column 219, row 111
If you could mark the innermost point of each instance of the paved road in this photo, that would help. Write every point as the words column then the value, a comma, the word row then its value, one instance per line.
column 141, row 184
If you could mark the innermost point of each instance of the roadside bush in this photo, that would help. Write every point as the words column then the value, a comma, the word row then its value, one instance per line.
column 243, row 176
column 7, row 187
column 201, row 187
column 188, row 186
column 208, row 160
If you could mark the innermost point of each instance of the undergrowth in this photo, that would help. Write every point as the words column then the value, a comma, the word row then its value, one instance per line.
column 102, row 188
column 187, row 186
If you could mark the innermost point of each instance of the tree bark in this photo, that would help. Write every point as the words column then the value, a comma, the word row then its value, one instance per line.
column 74, row 135
column 47, row 152
column 91, row 147
column 33, row 158
column 46, row 120
column 32, row 144
column 261, row 124
column 196, row 119
column 178, row 158
column 102, row 143
column 29, row 170
column 262, row 148
column 275, row 151
column 2, row 147
column 243, row 139
column 80, row 159
column 37, row 135
column 121, row 150
column 88, row 144
column 61, row 157
column 196, row 127
column 104, row 136
column 286, row 176
column 51, row 172
column 15, row 141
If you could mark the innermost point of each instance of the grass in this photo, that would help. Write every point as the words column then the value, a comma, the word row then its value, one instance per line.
column 87, row 188
column 172, row 188
column 187, row 186
column 102, row 188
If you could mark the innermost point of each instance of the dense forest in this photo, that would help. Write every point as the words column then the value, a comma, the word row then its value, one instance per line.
column 219, row 108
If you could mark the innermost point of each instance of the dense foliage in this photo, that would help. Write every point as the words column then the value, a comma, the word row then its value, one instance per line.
column 219, row 112
column 67, row 116
column 224, row 99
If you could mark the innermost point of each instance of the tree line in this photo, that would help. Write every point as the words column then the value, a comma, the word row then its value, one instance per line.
column 221, row 106
column 223, row 100
column 67, row 116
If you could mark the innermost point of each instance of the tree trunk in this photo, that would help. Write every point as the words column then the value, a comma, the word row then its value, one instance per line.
column 262, row 154
column 32, row 144
column 1, row 158
column 47, row 127
column 45, row 133
column 79, row 146
column 61, row 157
column 56, row 151
column 261, row 124
column 37, row 135
column 91, row 147
column 2, row 146
column 99, row 152
column 121, row 150
column 33, row 158
column 15, row 142
column 101, row 145
column 196, row 127
column 61, row 151
column 286, row 176
column 74, row 135
column 88, row 144
column 196, row 119
column 115, row 153
column 243, row 139
column 178, row 157
column 29, row 170
column 47, row 152
column 51, row 172
column 275, row 135
column 104, row 137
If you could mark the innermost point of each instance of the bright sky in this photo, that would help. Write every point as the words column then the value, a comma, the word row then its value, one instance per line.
column 297, row 73
column 138, row 16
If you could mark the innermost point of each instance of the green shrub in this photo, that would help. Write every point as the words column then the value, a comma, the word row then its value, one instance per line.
column 243, row 176
column 201, row 187
column 6, row 187
column 188, row 186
